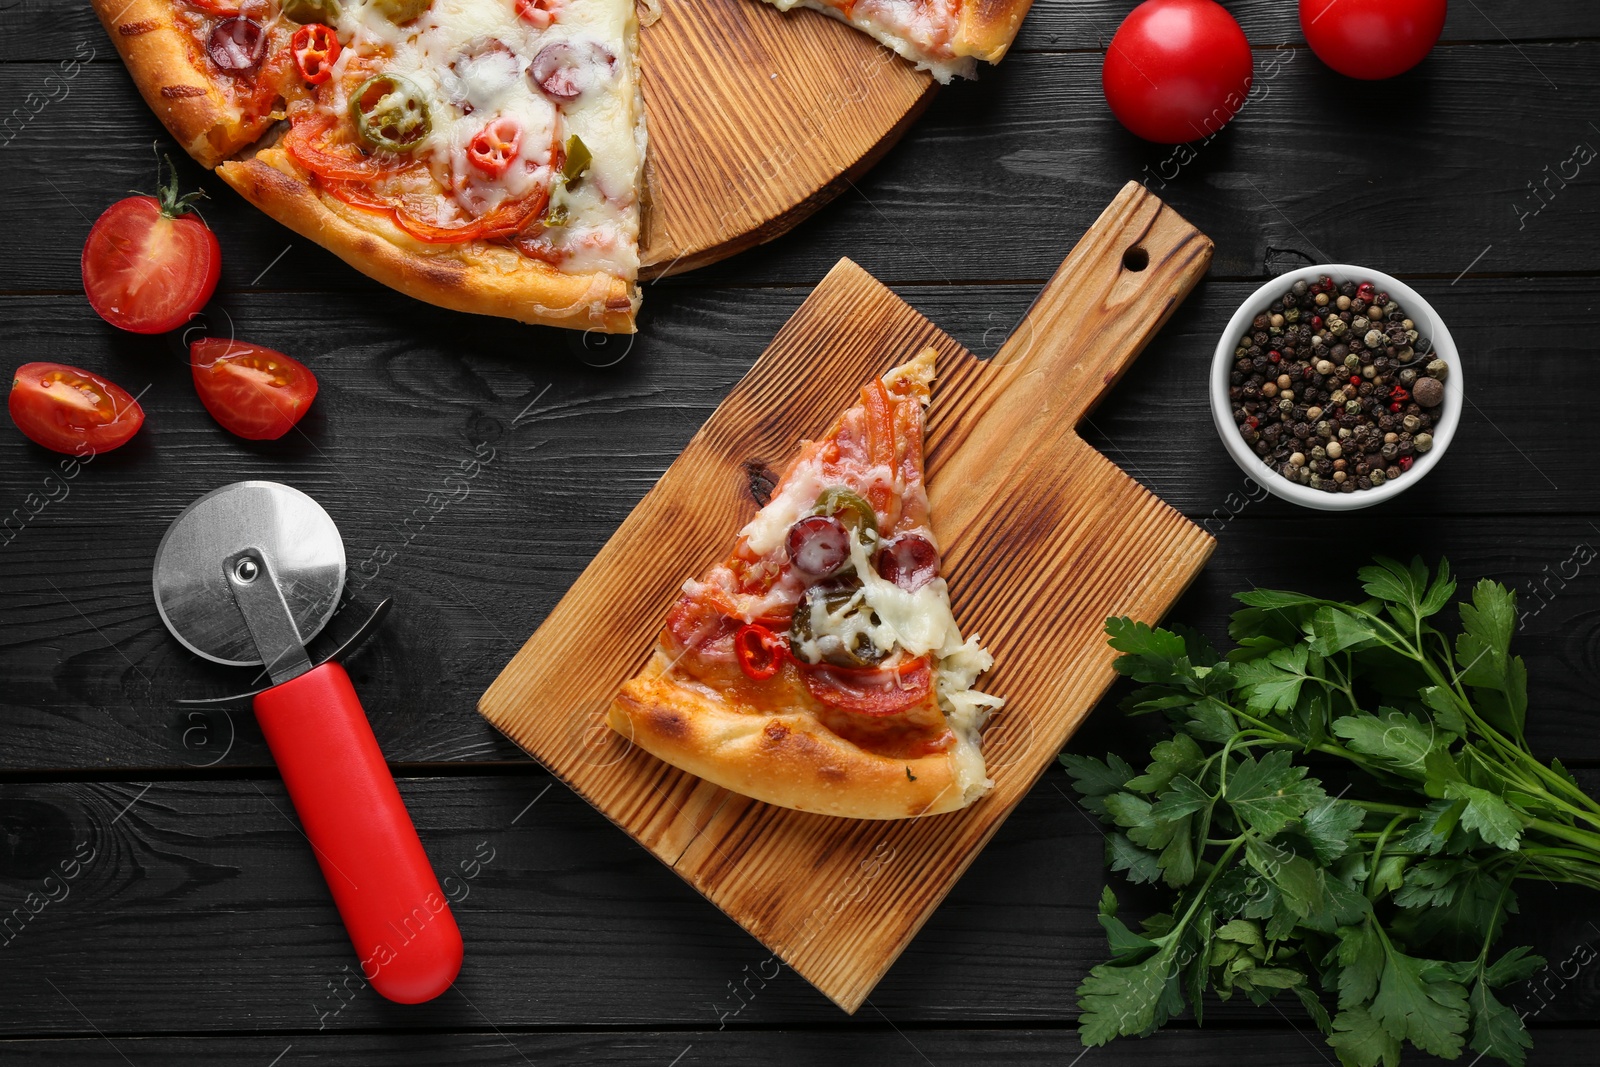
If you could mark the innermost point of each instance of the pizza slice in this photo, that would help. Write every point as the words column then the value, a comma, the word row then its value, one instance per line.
column 482, row 155
column 820, row 667
column 216, row 72
column 944, row 37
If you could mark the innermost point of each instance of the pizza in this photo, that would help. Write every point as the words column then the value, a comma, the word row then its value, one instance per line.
column 482, row 155
column 820, row 667
column 943, row 37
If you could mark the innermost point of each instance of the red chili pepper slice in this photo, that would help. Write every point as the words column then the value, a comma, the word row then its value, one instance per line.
column 538, row 13
column 315, row 48
column 495, row 146
column 760, row 652
column 875, row 691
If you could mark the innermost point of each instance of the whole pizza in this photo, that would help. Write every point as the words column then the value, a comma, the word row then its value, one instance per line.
column 482, row 155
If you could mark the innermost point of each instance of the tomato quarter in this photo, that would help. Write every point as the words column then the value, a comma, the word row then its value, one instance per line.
column 149, row 264
column 71, row 410
column 254, row 392
column 1372, row 39
column 1177, row 70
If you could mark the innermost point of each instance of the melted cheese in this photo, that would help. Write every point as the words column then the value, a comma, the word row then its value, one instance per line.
column 921, row 32
column 914, row 623
column 471, row 58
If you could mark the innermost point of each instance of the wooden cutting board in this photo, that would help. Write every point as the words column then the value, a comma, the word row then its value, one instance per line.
column 756, row 119
column 1044, row 538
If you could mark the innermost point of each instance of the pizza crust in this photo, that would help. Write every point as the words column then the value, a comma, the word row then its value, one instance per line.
column 988, row 27
column 159, row 55
column 784, row 758
column 475, row 276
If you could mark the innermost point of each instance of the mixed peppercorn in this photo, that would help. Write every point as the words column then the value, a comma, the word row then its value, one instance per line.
column 1334, row 388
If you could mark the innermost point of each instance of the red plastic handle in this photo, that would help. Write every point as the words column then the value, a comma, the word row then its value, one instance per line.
column 399, row 920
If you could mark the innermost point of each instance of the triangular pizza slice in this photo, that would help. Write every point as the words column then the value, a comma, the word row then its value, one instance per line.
column 944, row 37
column 820, row 667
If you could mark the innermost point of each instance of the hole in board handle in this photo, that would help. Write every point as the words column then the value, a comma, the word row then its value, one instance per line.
column 1135, row 259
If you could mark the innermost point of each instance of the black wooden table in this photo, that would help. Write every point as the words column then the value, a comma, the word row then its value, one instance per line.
column 200, row 930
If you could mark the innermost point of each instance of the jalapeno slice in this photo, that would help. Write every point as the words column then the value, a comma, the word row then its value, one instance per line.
column 390, row 113
column 324, row 11
column 835, row 597
column 398, row 11
column 578, row 160
column 850, row 508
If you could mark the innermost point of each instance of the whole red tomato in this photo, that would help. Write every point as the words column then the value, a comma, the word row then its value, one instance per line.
column 1177, row 70
column 253, row 391
column 150, row 262
column 1372, row 39
column 71, row 410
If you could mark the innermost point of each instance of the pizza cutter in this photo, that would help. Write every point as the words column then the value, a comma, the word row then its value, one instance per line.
column 246, row 576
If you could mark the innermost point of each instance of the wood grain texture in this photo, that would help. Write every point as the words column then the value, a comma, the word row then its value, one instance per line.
column 757, row 118
column 998, row 178
column 203, row 911
column 403, row 403
column 44, row 30
column 1045, row 538
column 1212, row 1047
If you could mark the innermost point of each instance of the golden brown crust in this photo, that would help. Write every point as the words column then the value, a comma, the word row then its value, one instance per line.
column 988, row 27
column 784, row 758
column 159, row 55
column 477, row 277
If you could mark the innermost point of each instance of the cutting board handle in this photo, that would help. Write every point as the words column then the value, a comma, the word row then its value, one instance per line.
column 1111, row 294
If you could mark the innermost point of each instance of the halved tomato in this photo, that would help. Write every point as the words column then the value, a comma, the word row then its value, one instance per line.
column 149, row 264
column 255, row 392
column 71, row 410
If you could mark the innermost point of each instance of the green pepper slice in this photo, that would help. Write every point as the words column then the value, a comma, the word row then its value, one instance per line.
column 398, row 11
column 572, row 172
column 836, row 596
column 390, row 113
column 324, row 11
column 850, row 508
column 578, row 160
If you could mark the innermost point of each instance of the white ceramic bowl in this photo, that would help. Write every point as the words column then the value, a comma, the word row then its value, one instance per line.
column 1428, row 324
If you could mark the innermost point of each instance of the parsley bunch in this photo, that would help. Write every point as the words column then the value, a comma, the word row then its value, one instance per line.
column 1380, row 893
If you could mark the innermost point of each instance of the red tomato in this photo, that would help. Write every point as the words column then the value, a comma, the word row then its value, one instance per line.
column 1372, row 39
column 254, row 392
column 71, row 410
column 148, row 263
column 1177, row 70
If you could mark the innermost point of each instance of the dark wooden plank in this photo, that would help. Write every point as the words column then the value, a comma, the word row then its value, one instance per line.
column 1057, row 25
column 872, row 1042
column 202, row 909
column 563, row 451
column 1000, row 177
column 39, row 31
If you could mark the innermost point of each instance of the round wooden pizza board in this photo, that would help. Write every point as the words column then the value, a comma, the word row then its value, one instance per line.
column 757, row 118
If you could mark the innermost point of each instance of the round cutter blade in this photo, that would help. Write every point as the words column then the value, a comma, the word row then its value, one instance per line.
column 285, row 527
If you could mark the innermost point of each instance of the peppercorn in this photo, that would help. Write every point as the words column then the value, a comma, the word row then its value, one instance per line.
column 1429, row 392
column 1438, row 368
column 1342, row 303
column 1373, row 339
column 1322, row 300
column 1335, row 449
column 1424, row 442
column 1378, row 476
